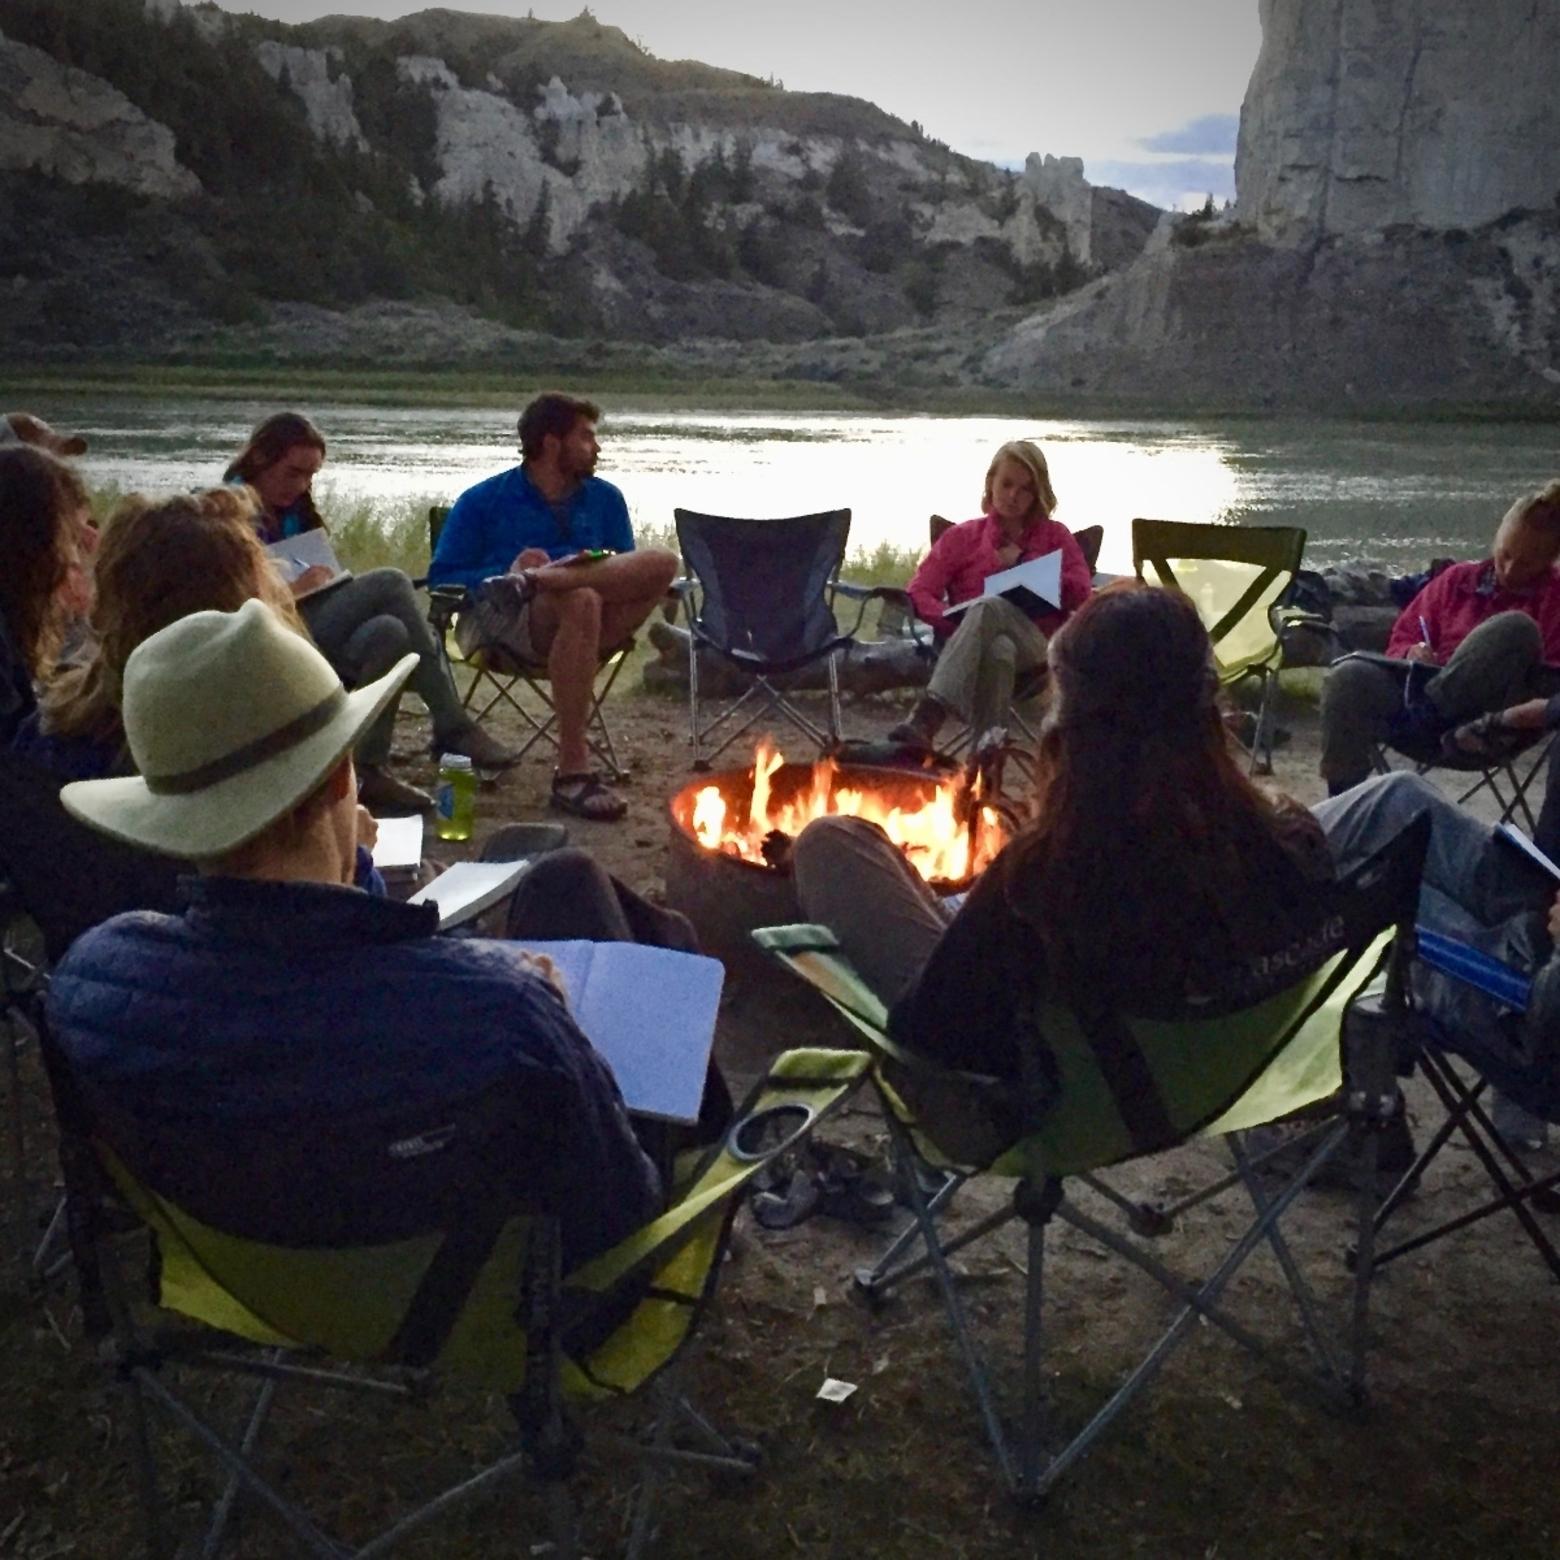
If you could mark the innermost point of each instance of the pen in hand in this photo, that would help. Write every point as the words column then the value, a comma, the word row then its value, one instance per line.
column 1424, row 633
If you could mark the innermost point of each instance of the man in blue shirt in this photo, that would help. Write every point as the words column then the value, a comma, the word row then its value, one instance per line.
column 528, row 545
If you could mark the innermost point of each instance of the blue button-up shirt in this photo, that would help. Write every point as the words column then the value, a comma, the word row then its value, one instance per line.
column 492, row 523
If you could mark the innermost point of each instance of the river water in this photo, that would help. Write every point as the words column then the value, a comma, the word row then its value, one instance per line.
column 1396, row 492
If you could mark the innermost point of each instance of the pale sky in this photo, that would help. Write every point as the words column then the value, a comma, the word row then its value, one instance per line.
column 1147, row 92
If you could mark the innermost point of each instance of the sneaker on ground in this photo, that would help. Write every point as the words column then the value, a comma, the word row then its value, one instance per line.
column 481, row 747
column 381, row 791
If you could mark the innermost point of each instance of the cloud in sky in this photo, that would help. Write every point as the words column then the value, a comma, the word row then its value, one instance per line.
column 1176, row 182
column 1208, row 135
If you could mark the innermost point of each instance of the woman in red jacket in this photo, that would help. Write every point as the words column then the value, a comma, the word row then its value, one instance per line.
column 991, row 644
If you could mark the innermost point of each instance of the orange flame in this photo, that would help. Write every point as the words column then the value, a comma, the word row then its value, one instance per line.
column 935, row 835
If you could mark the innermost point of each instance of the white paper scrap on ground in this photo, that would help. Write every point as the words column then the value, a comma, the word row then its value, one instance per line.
column 398, row 845
column 1031, row 586
column 650, row 1012
column 833, row 1391
column 470, row 887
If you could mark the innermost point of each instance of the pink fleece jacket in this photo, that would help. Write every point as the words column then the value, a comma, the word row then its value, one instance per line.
column 961, row 558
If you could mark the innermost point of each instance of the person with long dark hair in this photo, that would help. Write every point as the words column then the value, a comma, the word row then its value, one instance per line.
column 1153, row 873
column 362, row 625
column 45, row 540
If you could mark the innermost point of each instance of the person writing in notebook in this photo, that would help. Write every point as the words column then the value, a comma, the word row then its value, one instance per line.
column 991, row 644
column 1480, row 637
column 547, row 552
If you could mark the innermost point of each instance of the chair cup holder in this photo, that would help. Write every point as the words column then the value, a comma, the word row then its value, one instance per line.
column 769, row 1132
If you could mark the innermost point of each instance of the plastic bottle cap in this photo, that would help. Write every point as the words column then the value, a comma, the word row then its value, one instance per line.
column 454, row 761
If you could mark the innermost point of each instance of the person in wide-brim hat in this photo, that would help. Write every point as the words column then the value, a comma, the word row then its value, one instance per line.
column 232, row 720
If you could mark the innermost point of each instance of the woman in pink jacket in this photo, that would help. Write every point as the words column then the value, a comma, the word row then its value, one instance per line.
column 986, row 648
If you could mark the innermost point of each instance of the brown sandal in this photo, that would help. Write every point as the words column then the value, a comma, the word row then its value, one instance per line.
column 584, row 796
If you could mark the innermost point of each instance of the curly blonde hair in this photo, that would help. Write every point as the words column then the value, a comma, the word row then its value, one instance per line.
column 1030, row 456
column 160, row 560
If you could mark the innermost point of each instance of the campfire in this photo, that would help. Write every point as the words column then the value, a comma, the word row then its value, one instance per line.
column 947, row 831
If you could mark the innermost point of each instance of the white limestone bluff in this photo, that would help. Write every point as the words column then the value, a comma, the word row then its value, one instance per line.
column 75, row 127
column 1395, row 240
column 1434, row 113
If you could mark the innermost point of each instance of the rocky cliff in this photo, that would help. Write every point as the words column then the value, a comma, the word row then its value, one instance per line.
column 70, row 125
column 1395, row 240
column 549, row 175
column 1433, row 114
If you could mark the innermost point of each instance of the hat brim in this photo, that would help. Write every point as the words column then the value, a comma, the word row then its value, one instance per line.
column 197, row 825
column 69, row 445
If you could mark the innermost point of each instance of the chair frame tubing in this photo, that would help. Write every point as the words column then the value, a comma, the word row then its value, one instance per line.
column 1028, row 1470
column 775, row 699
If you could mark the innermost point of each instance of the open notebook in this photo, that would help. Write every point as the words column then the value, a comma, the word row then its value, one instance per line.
column 650, row 1012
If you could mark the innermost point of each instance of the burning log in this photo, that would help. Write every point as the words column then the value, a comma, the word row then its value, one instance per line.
column 877, row 666
column 728, row 867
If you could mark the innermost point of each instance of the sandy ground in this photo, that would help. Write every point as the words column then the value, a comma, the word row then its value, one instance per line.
column 1221, row 1459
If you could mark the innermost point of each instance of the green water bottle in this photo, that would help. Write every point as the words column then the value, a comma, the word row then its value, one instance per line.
column 456, row 797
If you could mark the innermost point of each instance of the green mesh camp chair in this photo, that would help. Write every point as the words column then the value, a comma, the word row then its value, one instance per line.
column 497, row 678
column 480, row 1300
column 1113, row 1092
column 1240, row 577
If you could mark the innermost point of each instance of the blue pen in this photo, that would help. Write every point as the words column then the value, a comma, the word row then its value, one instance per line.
column 1424, row 632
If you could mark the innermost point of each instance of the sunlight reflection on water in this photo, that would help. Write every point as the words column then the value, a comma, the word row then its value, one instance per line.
column 1388, row 491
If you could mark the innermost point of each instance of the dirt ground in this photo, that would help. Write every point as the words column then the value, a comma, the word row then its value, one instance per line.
column 1220, row 1459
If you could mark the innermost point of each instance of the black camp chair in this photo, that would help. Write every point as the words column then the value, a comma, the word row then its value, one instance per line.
column 1460, row 1071
column 760, row 594
column 499, row 677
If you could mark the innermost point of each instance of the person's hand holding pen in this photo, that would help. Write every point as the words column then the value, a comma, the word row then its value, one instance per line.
column 313, row 576
column 1424, row 651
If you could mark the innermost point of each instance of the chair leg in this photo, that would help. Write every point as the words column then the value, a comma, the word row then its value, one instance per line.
column 699, row 761
column 13, row 1067
column 1262, row 738
column 145, row 1470
column 836, row 730
column 222, row 1512
column 649, row 1470
column 1034, row 1381
column 957, row 1320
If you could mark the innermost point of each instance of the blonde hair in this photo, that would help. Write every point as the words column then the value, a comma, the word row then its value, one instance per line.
column 160, row 560
column 1541, row 509
column 1028, row 455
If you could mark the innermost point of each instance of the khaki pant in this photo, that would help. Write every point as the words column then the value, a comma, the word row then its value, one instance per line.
column 1497, row 665
column 979, row 667
column 850, row 878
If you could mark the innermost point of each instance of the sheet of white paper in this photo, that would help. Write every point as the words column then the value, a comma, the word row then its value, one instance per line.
column 293, row 554
column 650, row 1012
column 399, row 845
column 468, row 888
column 1514, row 836
column 1042, row 575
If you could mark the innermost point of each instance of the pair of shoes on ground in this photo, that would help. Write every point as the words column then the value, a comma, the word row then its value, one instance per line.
column 586, row 796
column 1341, row 1171
column 834, row 1181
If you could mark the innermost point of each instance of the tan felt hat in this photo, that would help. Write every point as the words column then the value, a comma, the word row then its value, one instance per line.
column 24, row 428
column 232, row 720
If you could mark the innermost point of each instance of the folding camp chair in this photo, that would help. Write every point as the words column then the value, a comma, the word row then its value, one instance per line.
column 1460, row 1072
column 760, row 595
column 498, row 676
column 57, row 879
column 1508, row 777
column 1118, row 1088
column 1240, row 577
column 467, row 1286
column 1028, row 687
